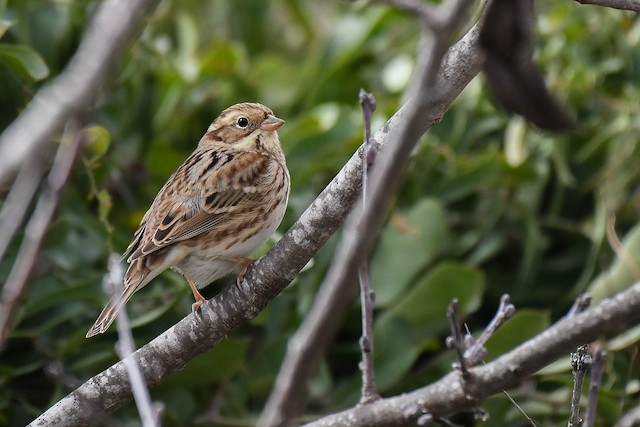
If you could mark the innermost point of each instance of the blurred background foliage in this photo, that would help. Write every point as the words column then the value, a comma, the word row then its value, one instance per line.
column 489, row 204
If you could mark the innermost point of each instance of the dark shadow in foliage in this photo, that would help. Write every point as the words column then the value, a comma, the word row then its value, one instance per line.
column 513, row 78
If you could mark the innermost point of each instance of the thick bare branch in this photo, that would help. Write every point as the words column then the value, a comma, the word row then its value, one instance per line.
column 452, row 394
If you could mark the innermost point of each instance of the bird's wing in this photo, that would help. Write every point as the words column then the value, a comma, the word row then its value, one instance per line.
column 227, row 184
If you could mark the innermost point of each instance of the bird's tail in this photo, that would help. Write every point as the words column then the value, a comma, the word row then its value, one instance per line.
column 136, row 277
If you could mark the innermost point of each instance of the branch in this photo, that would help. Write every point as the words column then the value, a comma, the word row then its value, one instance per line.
column 597, row 369
column 113, row 282
column 37, row 228
column 453, row 394
column 367, row 296
column 73, row 91
column 633, row 5
column 580, row 363
column 461, row 64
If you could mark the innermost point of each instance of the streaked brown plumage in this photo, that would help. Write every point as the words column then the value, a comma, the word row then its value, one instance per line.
column 222, row 203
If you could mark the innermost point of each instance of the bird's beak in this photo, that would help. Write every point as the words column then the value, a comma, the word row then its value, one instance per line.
column 271, row 123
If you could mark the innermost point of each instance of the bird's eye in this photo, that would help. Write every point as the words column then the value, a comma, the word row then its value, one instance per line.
column 243, row 122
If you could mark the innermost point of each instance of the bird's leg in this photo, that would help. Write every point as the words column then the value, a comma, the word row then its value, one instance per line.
column 195, row 307
column 243, row 261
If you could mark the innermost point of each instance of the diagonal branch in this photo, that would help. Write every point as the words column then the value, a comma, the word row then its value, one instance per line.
column 37, row 228
column 434, row 91
column 453, row 394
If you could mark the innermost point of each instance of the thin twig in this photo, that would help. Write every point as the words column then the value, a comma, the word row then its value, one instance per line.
column 149, row 412
column 519, row 408
column 633, row 5
column 597, row 369
column 445, row 422
column 37, row 227
column 456, row 340
column 580, row 363
column 582, row 302
column 367, row 296
column 470, row 351
column 476, row 352
column 14, row 208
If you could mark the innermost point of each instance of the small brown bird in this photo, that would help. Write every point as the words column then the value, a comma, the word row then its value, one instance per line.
column 221, row 204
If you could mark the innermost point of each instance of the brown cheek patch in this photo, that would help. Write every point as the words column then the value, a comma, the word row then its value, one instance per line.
column 213, row 135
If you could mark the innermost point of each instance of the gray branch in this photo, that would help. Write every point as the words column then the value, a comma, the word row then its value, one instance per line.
column 434, row 87
column 37, row 228
column 453, row 394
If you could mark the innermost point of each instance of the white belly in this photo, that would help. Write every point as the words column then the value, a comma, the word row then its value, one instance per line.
column 205, row 266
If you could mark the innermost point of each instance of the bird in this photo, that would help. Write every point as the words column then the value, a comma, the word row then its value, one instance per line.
column 222, row 203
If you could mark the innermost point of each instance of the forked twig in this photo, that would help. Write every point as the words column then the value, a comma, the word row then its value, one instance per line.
column 472, row 351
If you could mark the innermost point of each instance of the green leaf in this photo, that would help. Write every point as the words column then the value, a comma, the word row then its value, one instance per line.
column 624, row 340
column 24, row 60
column 424, row 307
column 98, row 141
column 219, row 364
column 522, row 326
column 470, row 174
column 408, row 244
column 395, row 352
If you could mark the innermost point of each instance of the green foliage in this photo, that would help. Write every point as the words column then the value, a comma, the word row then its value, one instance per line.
column 488, row 206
